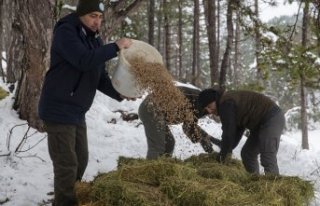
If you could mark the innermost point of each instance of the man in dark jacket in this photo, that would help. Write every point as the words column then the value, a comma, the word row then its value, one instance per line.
column 77, row 70
column 159, row 137
column 240, row 110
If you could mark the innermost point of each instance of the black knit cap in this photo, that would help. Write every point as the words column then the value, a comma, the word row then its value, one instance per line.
column 207, row 96
column 87, row 6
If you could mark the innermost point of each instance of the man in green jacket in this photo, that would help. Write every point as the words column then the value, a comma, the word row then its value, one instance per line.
column 159, row 137
column 240, row 110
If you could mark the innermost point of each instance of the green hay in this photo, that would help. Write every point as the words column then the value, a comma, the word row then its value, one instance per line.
column 207, row 167
column 199, row 180
column 108, row 189
column 223, row 172
column 137, row 161
column 83, row 190
column 153, row 172
column 202, row 192
column 280, row 190
column 116, row 192
column 208, row 159
column 3, row 93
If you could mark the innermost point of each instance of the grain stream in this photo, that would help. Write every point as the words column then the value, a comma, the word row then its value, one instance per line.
column 166, row 99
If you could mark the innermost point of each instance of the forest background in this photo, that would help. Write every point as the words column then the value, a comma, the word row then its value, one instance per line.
column 203, row 42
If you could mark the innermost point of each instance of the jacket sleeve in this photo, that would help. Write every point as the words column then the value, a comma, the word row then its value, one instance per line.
column 227, row 113
column 105, row 86
column 68, row 43
column 192, row 130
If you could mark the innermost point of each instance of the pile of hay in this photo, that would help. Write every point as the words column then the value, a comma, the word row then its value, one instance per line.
column 199, row 180
column 3, row 93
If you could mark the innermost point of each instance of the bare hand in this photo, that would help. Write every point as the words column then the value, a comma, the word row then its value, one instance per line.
column 124, row 43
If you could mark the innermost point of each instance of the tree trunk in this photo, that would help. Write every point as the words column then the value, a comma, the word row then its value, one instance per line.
column 257, row 42
column 218, row 37
column 210, row 14
column 6, row 16
column 304, row 115
column 2, row 74
column 196, row 40
column 167, row 35
column 317, row 23
column 151, row 22
column 225, row 64
column 180, row 43
column 159, row 33
column 115, row 13
column 14, row 40
column 30, row 55
column 236, row 66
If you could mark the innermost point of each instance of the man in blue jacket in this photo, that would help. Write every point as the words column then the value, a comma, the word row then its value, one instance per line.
column 77, row 70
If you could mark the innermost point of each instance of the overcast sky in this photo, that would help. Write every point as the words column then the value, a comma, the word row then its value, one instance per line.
column 283, row 8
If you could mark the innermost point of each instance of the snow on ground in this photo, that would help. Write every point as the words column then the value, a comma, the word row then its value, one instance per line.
column 26, row 177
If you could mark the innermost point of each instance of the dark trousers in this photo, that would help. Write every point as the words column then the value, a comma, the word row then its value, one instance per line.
column 159, row 137
column 264, row 140
column 68, row 149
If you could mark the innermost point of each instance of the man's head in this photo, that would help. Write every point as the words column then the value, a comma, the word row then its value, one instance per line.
column 207, row 100
column 91, row 13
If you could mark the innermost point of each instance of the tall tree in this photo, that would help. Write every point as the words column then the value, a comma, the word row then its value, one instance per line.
column 236, row 64
column 180, row 41
column 151, row 22
column 167, row 36
column 257, row 41
column 196, row 44
column 218, row 33
column 303, row 94
column 9, row 17
column 317, row 25
column 225, row 64
column 1, row 40
column 211, row 21
column 159, row 26
column 29, row 54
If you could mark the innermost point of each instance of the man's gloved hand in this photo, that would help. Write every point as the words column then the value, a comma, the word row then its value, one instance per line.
column 206, row 144
column 222, row 158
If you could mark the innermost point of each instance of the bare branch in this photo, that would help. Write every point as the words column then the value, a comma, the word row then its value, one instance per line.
column 116, row 13
column 10, row 134
column 5, row 155
column 32, row 156
column 22, row 141
column 4, row 201
column 33, row 145
column 317, row 170
column 296, row 22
